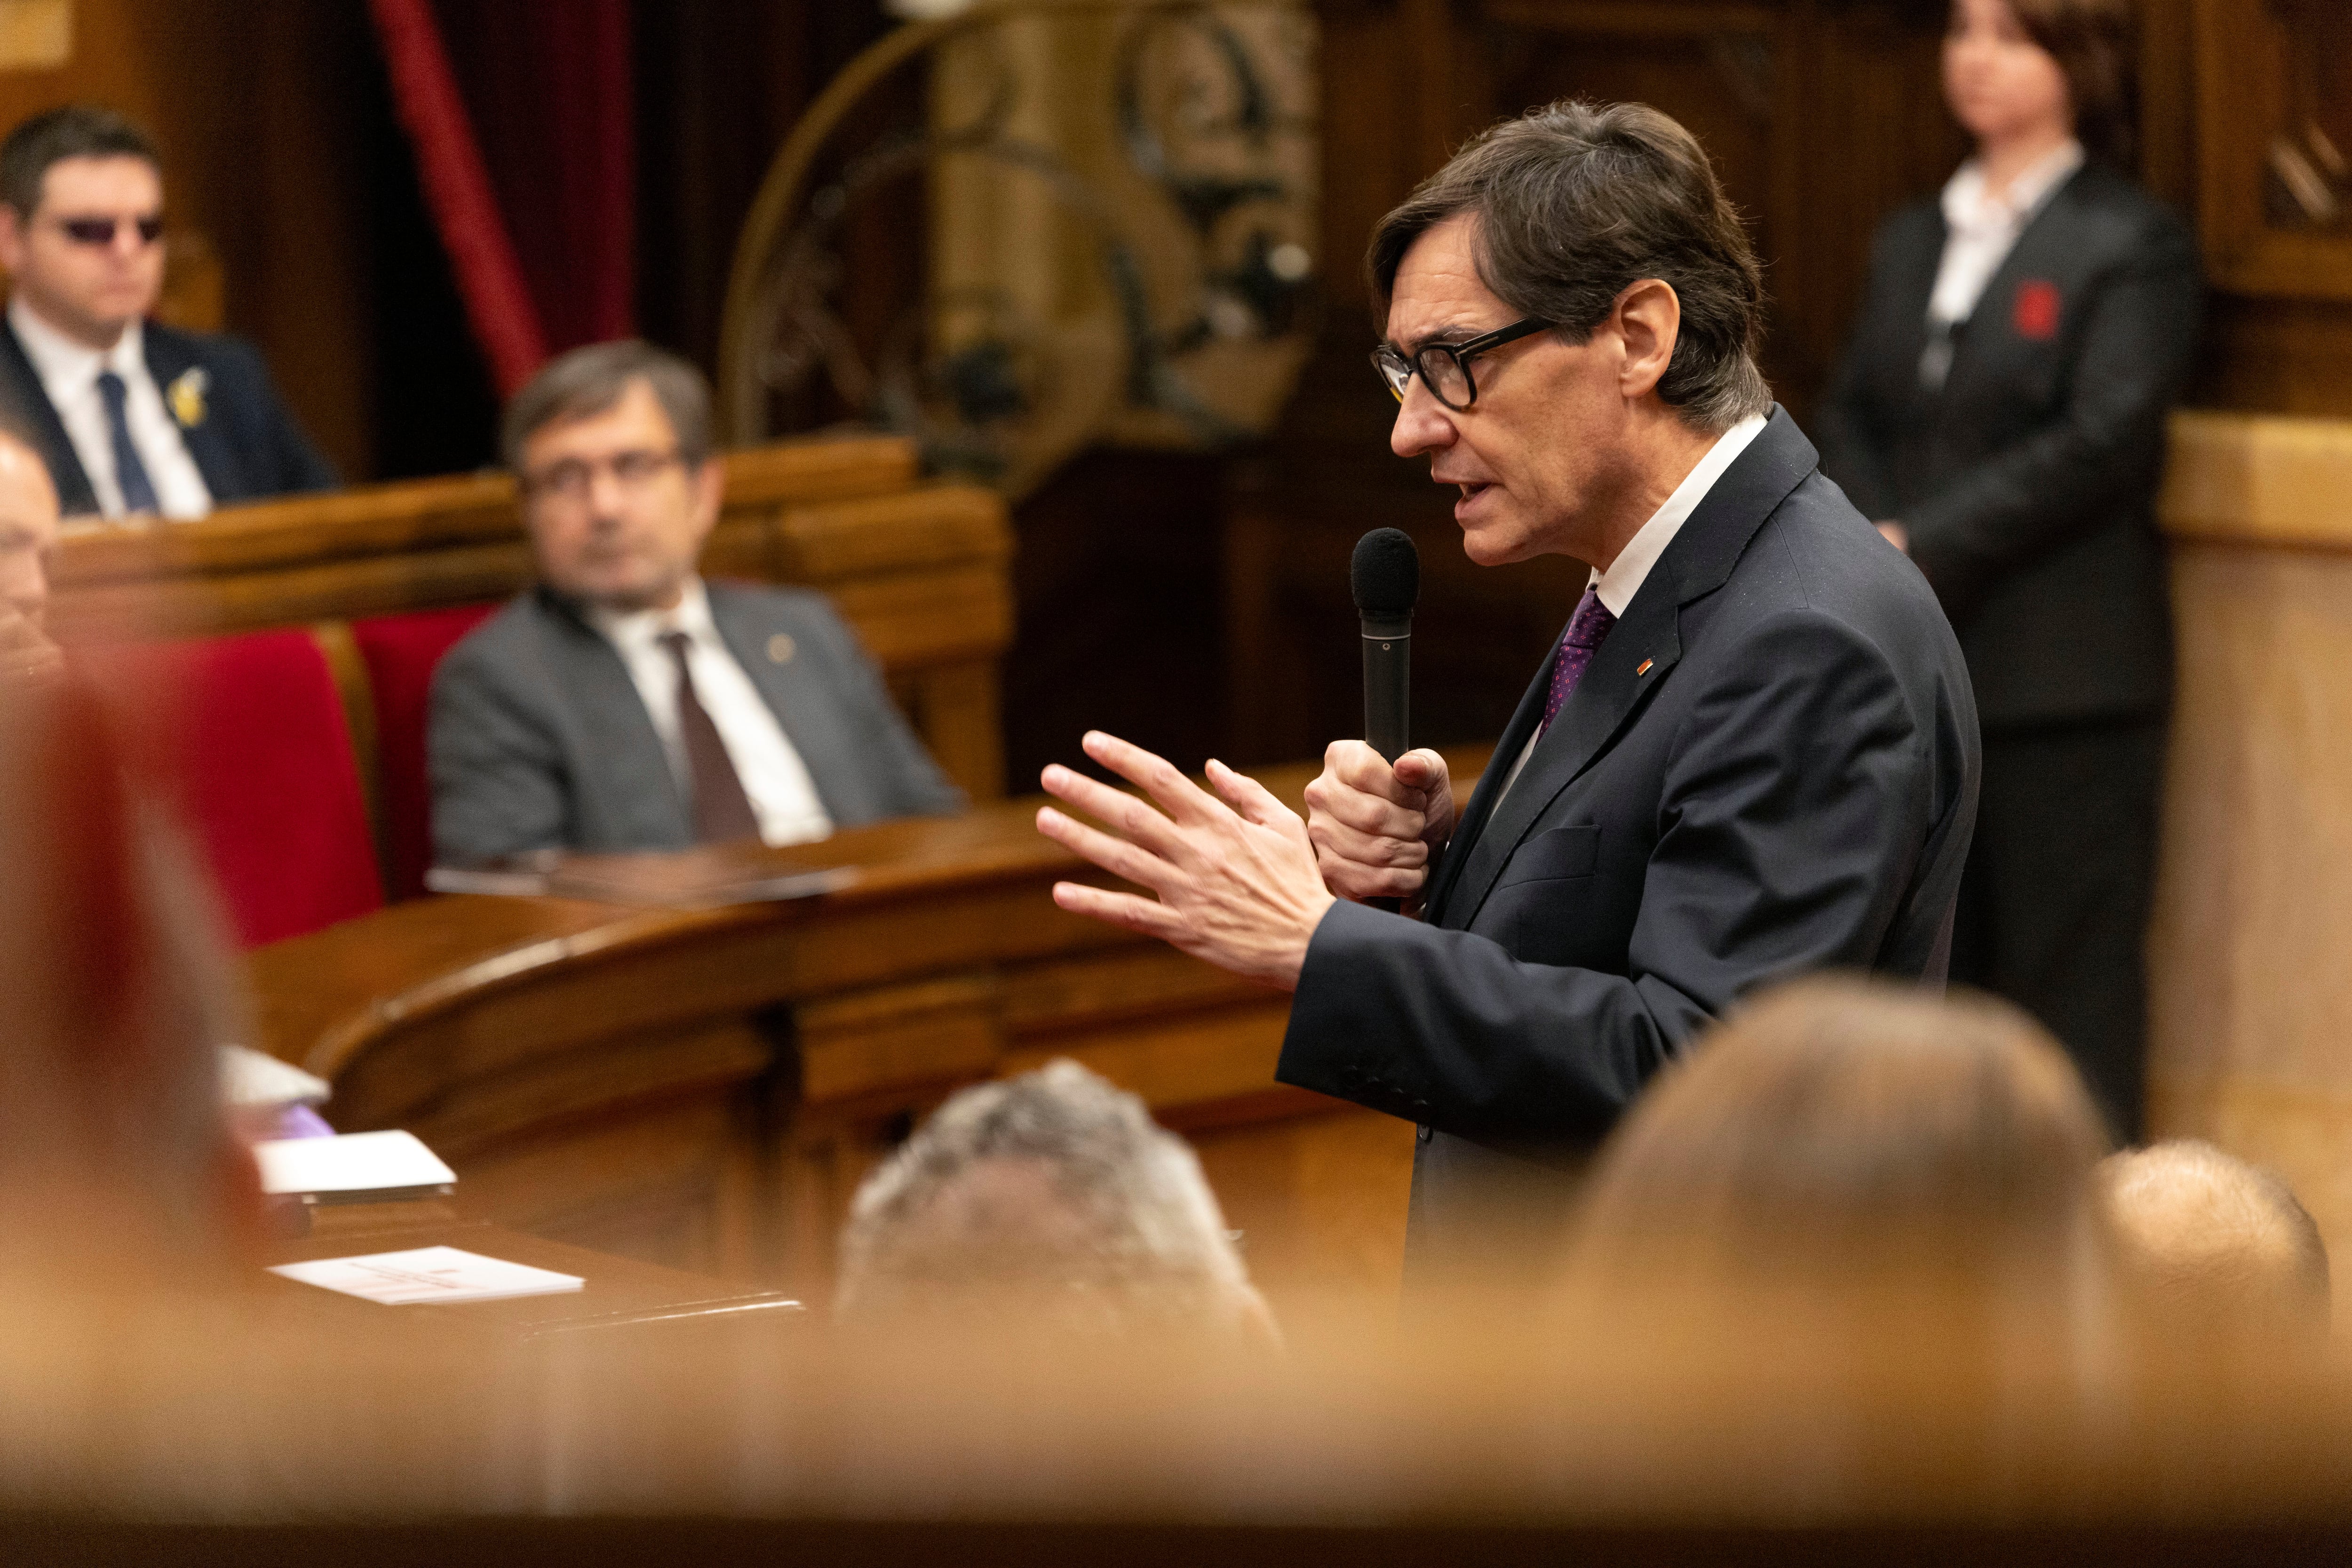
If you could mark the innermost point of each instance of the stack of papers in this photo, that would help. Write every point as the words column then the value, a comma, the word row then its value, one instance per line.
column 356, row 1167
column 429, row 1274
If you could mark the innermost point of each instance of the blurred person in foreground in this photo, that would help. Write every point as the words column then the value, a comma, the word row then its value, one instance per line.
column 1836, row 1130
column 132, row 417
column 1053, row 1199
column 624, row 703
column 28, row 531
column 2001, row 411
column 1751, row 754
column 114, row 1141
column 2207, row 1245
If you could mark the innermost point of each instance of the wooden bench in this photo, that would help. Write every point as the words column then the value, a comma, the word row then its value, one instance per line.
column 920, row 569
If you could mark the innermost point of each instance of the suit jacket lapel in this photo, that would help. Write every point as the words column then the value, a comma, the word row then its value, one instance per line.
column 30, row 399
column 1603, row 699
column 1614, row 687
column 796, row 693
column 1467, row 832
column 170, row 356
column 630, row 769
column 1987, row 330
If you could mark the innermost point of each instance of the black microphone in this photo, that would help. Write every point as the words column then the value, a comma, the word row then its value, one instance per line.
column 1385, row 577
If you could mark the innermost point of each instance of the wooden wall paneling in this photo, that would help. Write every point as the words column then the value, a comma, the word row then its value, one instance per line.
column 2251, row 1005
column 2242, row 50
column 1859, row 128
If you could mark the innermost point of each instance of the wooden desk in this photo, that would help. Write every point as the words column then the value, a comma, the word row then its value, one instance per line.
column 619, row 1292
column 920, row 570
column 705, row 1088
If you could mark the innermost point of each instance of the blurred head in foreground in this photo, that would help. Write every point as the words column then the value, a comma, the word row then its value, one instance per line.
column 2205, row 1244
column 1051, row 1197
column 117, row 992
column 1843, row 1140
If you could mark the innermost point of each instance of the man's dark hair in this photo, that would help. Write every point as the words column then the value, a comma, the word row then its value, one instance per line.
column 75, row 131
column 1577, row 202
column 590, row 380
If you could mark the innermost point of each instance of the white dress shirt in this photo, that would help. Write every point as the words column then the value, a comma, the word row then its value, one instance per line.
column 1615, row 588
column 69, row 373
column 784, row 797
column 1981, row 230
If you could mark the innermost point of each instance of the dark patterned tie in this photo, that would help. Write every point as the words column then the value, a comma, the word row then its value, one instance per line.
column 1586, row 628
column 723, row 812
column 129, row 473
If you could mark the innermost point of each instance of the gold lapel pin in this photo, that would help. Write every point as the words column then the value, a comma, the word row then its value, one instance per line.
column 1646, row 668
column 186, row 396
column 780, row 649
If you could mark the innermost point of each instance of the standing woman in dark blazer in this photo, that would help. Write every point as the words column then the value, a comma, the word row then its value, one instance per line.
column 2001, row 411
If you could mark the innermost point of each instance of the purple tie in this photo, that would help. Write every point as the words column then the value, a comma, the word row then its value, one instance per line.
column 1586, row 628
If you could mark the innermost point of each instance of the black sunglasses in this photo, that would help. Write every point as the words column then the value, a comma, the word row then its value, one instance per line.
column 1444, row 368
column 101, row 230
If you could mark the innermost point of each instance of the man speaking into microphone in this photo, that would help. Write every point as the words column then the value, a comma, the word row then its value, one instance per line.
column 1753, row 752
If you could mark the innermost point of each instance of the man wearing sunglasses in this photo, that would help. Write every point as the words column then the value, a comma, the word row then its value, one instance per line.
column 133, row 417
column 1752, row 752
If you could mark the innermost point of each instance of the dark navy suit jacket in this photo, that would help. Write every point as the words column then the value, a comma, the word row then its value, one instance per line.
column 1769, row 767
column 247, row 446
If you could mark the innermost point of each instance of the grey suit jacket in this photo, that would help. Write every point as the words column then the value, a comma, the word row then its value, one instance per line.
column 538, row 740
column 1770, row 767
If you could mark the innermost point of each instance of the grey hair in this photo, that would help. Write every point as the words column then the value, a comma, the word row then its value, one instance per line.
column 588, row 381
column 1053, row 1183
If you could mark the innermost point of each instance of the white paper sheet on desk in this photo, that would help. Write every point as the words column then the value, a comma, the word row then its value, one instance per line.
column 352, row 1162
column 429, row 1274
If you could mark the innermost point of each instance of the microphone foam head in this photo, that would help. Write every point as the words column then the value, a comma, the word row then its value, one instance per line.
column 1386, row 572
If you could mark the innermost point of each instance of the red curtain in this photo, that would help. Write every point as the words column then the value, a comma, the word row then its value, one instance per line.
column 521, row 116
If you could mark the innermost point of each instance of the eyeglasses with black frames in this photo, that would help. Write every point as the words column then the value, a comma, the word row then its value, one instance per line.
column 1444, row 368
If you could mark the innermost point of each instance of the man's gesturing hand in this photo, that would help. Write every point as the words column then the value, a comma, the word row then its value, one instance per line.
column 1376, row 828
column 1235, row 876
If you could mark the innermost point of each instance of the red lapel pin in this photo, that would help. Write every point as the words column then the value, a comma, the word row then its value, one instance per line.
column 2035, row 314
column 1645, row 669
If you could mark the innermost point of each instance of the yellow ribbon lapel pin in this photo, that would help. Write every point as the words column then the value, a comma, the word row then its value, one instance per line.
column 186, row 396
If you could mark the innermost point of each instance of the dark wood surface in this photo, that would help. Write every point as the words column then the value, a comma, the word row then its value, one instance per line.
column 618, row 1292
column 705, row 1087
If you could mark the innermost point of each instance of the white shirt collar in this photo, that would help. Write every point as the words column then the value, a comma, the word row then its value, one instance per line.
column 1968, row 208
column 1625, row 575
column 628, row 629
column 66, row 365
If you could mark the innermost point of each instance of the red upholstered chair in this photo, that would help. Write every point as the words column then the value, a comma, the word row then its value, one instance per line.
column 248, row 733
column 400, row 652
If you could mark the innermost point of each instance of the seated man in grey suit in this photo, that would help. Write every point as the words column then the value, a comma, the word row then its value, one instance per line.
column 623, row 703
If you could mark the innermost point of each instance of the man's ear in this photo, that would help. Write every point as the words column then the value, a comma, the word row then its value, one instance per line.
column 1649, row 317
column 12, row 237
